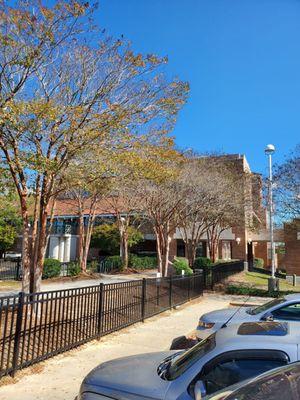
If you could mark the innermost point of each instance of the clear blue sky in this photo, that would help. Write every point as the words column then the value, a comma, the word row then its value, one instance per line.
column 242, row 59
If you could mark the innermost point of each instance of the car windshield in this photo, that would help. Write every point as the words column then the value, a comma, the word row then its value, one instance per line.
column 265, row 307
column 184, row 360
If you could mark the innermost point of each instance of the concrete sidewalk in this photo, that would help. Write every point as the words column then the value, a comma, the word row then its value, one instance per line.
column 60, row 377
column 72, row 283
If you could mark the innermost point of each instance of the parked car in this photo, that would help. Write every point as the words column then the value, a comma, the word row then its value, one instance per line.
column 226, row 357
column 286, row 308
column 12, row 255
column 278, row 384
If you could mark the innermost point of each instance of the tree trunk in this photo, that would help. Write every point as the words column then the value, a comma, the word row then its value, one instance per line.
column 25, row 256
column 166, row 254
column 125, row 250
column 41, row 249
column 191, row 251
column 81, row 239
column 158, row 249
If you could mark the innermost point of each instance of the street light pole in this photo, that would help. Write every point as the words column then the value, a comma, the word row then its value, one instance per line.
column 269, row 151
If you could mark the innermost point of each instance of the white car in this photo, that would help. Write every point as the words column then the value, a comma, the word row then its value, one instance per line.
column 286, row 308
column 229, row 356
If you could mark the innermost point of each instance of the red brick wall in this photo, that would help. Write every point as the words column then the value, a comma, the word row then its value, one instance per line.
column 292, row 248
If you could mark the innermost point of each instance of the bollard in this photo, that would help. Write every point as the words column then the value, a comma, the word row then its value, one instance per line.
column 294, row 280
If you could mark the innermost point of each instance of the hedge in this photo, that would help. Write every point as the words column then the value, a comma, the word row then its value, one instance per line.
column 252, row 291
column 52, row 268
column 201, row 262
column 74, row 269
column 181, row 264
column 142, row 262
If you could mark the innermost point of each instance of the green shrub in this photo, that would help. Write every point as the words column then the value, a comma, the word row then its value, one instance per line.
column 114, row 262
column 142, row 262
column 259, row 262
column 252, row 291
column 51, row 268
column 93, row 266
column 181, row 264
column 74, row 269
column 201, row 262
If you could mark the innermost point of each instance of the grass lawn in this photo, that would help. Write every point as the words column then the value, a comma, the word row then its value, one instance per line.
column 258, row 280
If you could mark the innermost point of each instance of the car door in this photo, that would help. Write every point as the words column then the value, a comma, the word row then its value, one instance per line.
column 235, row 366
column 290, row 312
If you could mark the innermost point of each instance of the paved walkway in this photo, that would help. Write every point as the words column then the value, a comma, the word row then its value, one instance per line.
column 59, row 378
column 6, row 290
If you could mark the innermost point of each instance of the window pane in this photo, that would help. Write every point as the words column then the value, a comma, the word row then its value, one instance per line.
column 234, row 371
column 291, row 312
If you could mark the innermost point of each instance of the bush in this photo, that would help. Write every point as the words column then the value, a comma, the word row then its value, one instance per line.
column 252, row 291
column 74, row 269
column 51, row 268
column 181, row 264
column 201, row 262
column 93, row 266
column 142, row 262
column 115, row 262
column 259, row 262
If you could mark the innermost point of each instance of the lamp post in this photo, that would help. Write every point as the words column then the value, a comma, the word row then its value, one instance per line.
column 272, row 283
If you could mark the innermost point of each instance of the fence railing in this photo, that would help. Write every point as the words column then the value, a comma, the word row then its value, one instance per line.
column 10, row 269
column 220, row 272
column 34, row 327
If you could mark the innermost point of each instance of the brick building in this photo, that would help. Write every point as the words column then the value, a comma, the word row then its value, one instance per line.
column 235, row 243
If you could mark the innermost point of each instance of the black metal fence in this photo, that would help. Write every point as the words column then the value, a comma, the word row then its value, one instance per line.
column 220, row 272
column 10, row 269
column 34, row 327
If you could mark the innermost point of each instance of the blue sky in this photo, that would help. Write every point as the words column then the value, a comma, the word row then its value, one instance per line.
column 241, row 58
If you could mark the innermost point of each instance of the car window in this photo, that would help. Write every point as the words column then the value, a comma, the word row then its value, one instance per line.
column 275, row 386
column 290, row 312
column 178, row 365
column 233, row 371
column 266, row 306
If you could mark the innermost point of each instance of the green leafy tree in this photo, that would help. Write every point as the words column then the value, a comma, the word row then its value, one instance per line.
column 59, row 96
column 107, row 238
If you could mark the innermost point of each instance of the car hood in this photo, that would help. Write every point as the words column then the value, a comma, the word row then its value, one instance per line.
column 220, row 316
column 129, row 377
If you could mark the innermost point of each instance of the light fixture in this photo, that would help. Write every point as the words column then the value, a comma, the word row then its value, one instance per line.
column 238, row 240
column 270, row 149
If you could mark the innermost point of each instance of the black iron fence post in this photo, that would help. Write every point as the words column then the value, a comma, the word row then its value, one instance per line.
column 170, row 293
column 18, row 269
column 100, row 308
column 144, row 282
column 189, row 287
column 18, row 333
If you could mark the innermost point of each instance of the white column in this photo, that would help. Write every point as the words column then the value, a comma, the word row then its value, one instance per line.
column 67, row 249
column 61, row 249
column 54, row 247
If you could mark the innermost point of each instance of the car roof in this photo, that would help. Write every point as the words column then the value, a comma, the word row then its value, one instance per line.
column 294, row 296
column 229, row 336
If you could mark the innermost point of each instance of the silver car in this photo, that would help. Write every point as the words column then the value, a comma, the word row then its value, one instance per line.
column 282, row 309
column 231, row 355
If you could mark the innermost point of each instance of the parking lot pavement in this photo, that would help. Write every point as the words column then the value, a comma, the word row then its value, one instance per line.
column 61, row 376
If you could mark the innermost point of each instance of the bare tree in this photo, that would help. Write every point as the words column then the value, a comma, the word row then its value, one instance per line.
column 287, row 186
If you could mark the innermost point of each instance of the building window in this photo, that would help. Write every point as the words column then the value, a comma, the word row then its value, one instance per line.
column 201, row 250
column 180, row 248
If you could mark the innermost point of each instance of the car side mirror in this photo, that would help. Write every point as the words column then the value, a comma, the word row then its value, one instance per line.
column 267, row 317
column 199, row 390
